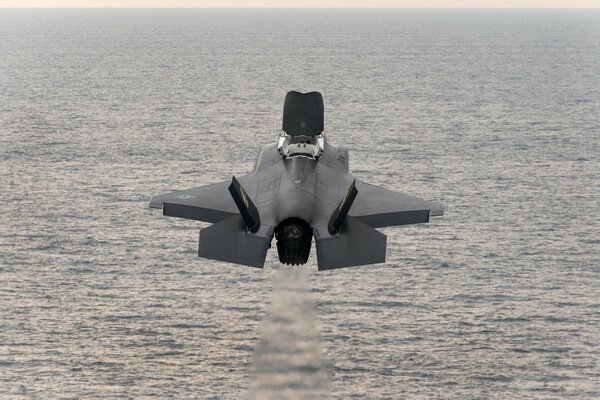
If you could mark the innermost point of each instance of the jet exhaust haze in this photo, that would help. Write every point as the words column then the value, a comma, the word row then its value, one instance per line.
column 289, row 362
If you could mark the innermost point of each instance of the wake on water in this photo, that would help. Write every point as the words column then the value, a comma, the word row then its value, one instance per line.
column 288, row 362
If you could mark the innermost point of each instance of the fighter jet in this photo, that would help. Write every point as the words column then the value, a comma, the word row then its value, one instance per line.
column 300, row 188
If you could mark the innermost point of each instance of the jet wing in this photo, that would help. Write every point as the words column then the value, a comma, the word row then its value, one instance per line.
column 378, row 207
column 211, row 203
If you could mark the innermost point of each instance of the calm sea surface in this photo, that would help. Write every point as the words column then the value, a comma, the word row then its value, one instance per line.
column 494, row 113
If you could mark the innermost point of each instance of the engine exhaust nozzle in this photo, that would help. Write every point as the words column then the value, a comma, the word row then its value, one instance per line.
column 294, row 238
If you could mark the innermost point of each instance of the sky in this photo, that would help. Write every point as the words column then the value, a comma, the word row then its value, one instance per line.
column 302, row 3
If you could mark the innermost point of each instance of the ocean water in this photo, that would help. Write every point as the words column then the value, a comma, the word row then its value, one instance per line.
column 494, row 113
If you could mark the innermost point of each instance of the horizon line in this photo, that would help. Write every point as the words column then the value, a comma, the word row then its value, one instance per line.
column 294, row 8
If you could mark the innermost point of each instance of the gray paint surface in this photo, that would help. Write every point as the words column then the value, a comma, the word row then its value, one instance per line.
column 298, row 187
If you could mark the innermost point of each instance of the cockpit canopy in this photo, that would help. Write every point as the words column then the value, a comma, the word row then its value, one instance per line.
column 302, row 135
column 303, row 146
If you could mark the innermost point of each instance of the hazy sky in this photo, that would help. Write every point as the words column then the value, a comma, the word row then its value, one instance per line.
column 307, row 3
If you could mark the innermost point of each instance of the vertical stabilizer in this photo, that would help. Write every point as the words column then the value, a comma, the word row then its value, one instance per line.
column 247, row 208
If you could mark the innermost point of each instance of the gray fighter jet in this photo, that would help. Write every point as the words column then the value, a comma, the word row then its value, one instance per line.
column 300, row 187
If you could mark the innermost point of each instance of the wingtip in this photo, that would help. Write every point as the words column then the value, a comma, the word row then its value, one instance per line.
column 437, row 211
column 155, row 203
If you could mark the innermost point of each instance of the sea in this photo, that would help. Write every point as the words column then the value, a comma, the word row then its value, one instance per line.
column 494, row 113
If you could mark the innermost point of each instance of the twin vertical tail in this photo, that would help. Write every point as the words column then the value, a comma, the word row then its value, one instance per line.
column 248, row 210
column 339, row 214
column 351, row 242
column 239, row 238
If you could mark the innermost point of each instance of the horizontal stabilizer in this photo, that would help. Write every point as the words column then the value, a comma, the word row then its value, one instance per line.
column 229, row 241
column 355, row 244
